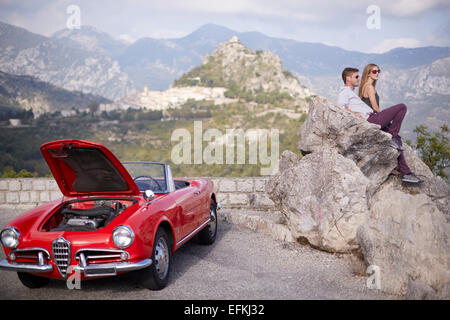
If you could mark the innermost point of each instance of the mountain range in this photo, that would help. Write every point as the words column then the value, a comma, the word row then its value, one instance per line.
column 26, row 92
column 155, row 63
column 67, row 66
column 92, row 61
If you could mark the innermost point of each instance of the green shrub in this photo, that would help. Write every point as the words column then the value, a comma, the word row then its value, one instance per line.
column 434, row 149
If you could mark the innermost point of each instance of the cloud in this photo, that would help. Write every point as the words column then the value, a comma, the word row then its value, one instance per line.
column 165, row 33
column 40, row 16
column 392, row 43
column 126, row 38
column 304, row 10
column 408, row 8
column 341, row 22
column 299, row 10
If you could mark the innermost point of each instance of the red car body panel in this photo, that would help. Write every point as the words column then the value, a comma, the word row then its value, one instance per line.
column 181, row 212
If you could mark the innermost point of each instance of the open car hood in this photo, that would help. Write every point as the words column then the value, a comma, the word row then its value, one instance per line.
column 87, row 168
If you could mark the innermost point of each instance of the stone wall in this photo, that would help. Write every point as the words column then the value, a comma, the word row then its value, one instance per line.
column 28, row 191
column 242, row 193
column 231, row 192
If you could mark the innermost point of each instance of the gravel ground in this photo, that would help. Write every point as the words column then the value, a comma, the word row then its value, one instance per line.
column 241, row 264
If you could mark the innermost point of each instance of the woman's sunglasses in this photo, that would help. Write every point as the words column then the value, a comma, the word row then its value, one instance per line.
column 376, row 71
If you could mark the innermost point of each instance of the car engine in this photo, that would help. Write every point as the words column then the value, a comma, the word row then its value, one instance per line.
column 89, row 219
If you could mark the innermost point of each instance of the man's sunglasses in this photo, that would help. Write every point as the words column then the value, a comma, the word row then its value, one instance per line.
column 376, row 71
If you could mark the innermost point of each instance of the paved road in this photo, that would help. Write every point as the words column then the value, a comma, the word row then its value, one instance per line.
column 241, row 264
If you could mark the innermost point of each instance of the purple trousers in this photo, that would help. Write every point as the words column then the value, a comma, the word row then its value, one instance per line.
column 390, row 120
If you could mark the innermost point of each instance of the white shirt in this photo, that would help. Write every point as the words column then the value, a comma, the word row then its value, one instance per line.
column 347, row 98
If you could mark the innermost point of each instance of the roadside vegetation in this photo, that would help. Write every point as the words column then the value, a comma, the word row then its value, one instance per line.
column 143, row 135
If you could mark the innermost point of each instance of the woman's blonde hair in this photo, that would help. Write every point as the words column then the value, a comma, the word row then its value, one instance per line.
column 365, row 77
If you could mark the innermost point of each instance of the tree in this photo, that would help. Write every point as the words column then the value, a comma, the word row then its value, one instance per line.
column 433, row 148
column 93, row 107
column 9, row 172
column 25, row 174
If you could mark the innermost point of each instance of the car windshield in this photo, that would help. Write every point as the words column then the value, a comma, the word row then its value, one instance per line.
column 147, row 175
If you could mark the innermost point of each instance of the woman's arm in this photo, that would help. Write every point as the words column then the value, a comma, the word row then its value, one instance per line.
column 373, row 101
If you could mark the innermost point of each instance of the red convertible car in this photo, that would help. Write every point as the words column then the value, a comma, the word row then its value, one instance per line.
column 114, row 217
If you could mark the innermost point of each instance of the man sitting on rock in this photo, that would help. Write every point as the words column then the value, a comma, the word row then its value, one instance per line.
column 389, row 119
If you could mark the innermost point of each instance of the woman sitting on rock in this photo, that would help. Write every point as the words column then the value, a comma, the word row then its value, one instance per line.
column 390, row 119
column 367, row 91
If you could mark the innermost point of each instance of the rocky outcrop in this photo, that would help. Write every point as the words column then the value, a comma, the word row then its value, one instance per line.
column 434, row 187
column 323, row 197
column 255, row 70
column 370, row 148
column 341, row 196
column 232, row 62
column 406, row 236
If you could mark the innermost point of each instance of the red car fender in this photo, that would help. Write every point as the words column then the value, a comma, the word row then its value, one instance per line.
column 29, row 220
column 168, row 227
column 145, row 223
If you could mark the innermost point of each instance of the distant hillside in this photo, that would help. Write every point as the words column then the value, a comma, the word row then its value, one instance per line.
column 424, row 89
column 61, row 64
column 155, row 63
column 91, row 39
column 232, row 72
column 92, row 61
column 244, row 72
column 25, row 92
column 268, row 106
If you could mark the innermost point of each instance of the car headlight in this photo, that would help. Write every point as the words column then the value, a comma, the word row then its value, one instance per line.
column 123, row 236
column 10, row 237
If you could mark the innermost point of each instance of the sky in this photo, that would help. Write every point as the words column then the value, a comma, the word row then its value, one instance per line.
column 366, row 26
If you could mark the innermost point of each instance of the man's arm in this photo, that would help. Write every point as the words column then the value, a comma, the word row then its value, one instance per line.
column 354, row 113
column 343, row 100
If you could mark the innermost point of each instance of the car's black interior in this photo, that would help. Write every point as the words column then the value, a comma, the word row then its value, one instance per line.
column 180, row 184
column 150, row 183
column 157, row 185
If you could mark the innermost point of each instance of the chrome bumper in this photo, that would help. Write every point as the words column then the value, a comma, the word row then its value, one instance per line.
column 93, row 270
column 111, row 269
column 25, row 267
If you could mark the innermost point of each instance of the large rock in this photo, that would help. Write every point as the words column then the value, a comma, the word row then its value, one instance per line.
column 341, row 196
column 354, row 138
column 323, row 196
column 433, row 186
column 406, row 236
column 369, row 147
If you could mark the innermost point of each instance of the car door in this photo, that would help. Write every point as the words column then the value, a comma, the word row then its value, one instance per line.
column 200, row 201
column 186, row 200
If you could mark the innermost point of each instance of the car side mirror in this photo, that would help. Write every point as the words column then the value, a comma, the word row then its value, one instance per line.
column 149, row 195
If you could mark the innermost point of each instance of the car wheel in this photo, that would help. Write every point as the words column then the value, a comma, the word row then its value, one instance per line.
column 208, row 234
column 156, row 276
column 31, row 281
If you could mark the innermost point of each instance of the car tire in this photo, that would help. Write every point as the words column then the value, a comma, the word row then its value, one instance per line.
column 31, row 281
column 208, row 234
column 156, row 276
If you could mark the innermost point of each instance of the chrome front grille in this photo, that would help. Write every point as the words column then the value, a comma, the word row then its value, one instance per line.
column 93, row 256
column 61, row 255
column 30, row 255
